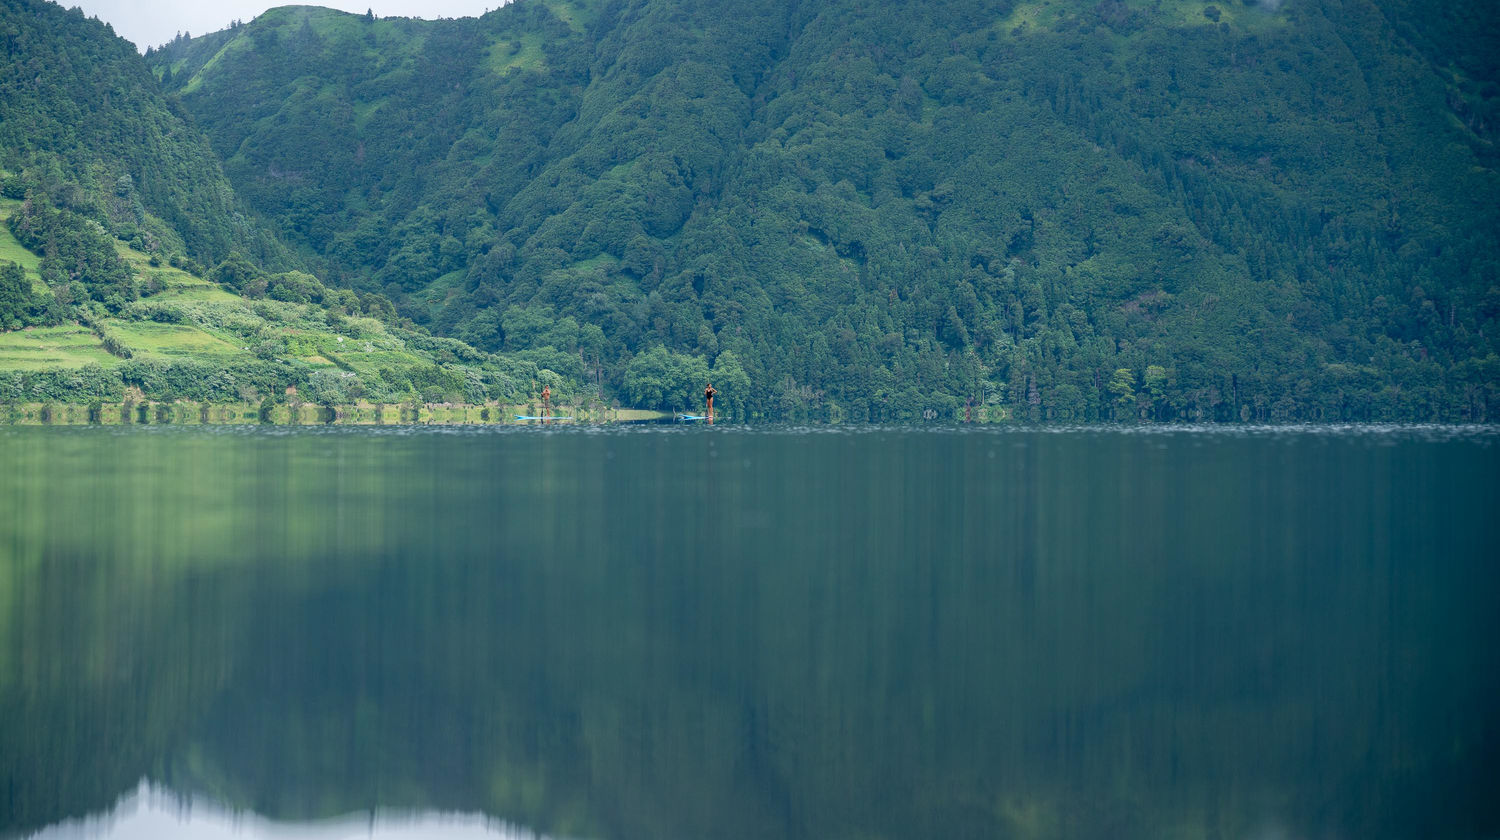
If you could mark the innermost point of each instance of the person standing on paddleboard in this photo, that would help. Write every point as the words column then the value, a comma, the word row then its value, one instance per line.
column 546, row 401
column 708, row 396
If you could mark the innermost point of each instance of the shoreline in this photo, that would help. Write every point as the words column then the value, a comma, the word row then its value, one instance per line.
column 188, row 413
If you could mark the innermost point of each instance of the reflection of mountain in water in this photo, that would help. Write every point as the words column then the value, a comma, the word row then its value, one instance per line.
column 157, row 814
column 730, row 634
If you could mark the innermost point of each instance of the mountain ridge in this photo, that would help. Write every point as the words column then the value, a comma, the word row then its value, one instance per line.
column 920, row 205
column 129, row 267
column 1068, row 210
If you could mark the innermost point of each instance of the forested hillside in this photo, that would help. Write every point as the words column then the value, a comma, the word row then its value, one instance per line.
column 84, row 126
column 129, row 266
column 1075, row 209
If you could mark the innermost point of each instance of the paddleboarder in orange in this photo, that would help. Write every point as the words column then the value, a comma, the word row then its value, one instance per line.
column 546, row 402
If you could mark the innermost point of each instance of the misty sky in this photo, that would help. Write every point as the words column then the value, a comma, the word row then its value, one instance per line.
column 151, row 23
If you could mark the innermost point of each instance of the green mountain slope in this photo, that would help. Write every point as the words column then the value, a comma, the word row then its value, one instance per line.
column 1077, row 210
column 83, row 122
column 189, row 338
column 112, row 203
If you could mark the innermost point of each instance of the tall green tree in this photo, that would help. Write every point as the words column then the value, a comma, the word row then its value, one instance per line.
column 662, row 379
column 15, row 296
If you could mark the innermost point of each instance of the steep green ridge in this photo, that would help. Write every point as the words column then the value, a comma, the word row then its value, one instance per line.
column 113, row 202
column 83, row 122
column 1078, row 209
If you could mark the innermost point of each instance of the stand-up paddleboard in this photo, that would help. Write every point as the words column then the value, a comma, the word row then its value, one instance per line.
column 527, row 417
column 689, row 417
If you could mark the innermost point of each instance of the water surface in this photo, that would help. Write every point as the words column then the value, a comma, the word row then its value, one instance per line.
column 731, row 633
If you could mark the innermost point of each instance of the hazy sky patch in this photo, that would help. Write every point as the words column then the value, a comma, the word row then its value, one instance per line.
column 150, row 23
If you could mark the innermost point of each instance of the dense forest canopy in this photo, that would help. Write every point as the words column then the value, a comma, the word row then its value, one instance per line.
column 1063, row 209
column 1077, row 209
column 136, row 271
column 83, row 124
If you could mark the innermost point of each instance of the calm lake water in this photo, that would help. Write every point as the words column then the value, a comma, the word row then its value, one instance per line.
column 730, row 633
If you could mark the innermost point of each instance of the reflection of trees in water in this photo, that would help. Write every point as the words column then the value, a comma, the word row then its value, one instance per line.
column 106, row 673
column 899, row 637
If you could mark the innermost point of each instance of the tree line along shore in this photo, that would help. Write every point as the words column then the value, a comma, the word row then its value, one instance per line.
column 189, row 413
